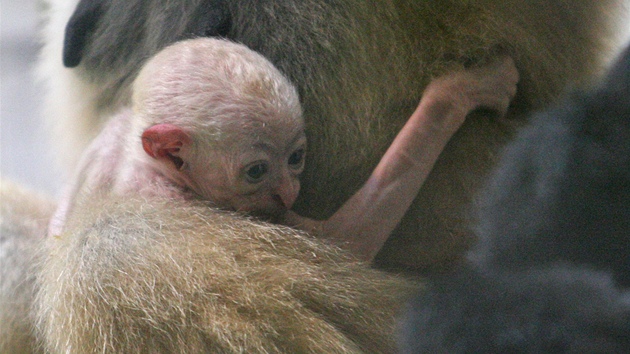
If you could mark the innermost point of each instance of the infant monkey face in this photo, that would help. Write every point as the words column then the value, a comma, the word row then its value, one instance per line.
column 259, row 175
column 268, row 184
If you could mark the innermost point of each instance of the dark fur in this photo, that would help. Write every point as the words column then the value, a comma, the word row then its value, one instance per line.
column 360, row 68
column 552, row 310
column 552, row 268
column 563, row 193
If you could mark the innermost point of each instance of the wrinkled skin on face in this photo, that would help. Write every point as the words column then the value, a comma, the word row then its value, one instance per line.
column 256, row 172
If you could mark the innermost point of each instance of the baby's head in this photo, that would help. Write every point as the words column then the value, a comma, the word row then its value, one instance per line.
column 221, row 120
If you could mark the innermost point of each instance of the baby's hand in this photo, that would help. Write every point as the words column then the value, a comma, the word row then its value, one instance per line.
column 491, row 86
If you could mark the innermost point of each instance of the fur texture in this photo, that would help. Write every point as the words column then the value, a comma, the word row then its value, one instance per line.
column 550, row 273
column 360, row 68
column 137, row 276
column 121, row 280
column 23, row 218
column 557, row 309
column 563, row 192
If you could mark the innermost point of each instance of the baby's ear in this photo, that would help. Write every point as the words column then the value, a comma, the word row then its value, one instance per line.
column 165, row 142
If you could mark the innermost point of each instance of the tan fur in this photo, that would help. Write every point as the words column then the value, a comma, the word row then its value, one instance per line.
column 360, row 68
column 228, row 285
column 127, row 279
column 23, row 218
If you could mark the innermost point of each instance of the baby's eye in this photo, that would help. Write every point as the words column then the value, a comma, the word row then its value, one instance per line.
column 296, row 160
column 256, row 172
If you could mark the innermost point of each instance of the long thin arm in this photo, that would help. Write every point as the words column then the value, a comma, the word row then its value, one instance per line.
column 366, row 220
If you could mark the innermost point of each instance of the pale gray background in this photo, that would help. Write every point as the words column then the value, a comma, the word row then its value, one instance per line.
column 25, row 154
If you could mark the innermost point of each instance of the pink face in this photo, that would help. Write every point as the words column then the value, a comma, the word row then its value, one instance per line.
column 256, row 173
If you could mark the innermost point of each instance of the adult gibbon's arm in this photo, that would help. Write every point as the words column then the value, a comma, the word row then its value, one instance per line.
column 206, row 281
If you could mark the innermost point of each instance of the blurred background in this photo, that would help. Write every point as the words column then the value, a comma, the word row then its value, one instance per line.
column 25, row 146
column 25, row 154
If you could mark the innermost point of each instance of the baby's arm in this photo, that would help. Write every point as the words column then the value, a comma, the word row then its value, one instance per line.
column 366, row 220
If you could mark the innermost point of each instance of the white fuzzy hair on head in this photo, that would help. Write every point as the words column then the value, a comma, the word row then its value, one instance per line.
column 204, row 85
